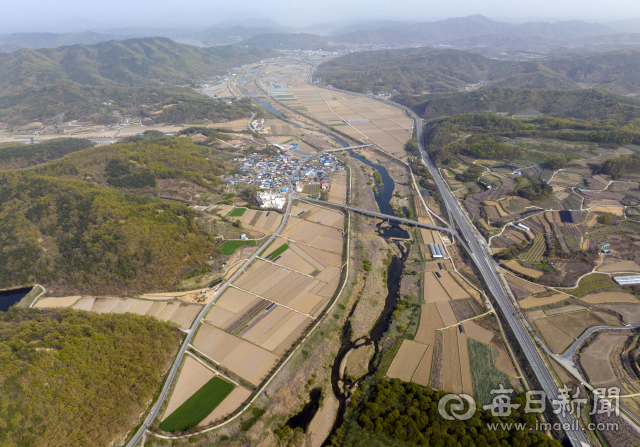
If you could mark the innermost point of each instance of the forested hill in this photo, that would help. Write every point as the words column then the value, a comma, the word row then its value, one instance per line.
column 81, row 379
column 132, row 62
column 106, row 105
column 18, row 155
column 71, row 225
column 420, row 70
column 415, row 70
column 617, row 71
column 587, row 104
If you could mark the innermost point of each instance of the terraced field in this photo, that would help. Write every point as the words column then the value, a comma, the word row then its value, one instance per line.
column 534, row 254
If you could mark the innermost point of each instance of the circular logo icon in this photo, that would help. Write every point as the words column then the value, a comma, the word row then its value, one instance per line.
column 456, row 407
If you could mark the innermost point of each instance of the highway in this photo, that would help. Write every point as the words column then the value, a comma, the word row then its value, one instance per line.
column 481, row 256
column 480, row 253
column 380, row 215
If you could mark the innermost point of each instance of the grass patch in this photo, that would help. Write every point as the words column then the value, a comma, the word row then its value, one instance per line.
column 340, row 124
column 484, row 375
column 288, row 141
column 278, row 251
column 593, row 282
column 30, row 297
column 237, row 212
column 229, row 247
column 312, row 189
column 198, row 406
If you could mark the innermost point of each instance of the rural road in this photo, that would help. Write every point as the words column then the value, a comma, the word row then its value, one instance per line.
column 568, row 354
column 174, row 368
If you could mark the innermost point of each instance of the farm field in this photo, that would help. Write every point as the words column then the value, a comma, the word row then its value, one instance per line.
column 318, row 214
column 237, row 212
column 177, row 312
column 534, row 254
column 315, row 235
column 407, row 359
column 522, row 288
column 198, row 406
column 630, row 312
column 229, row 247
column 439, row 357
column 619, row 266
column 65, row 301
column 593, row 282
column 277, row 252
column 270, row 306
column 193, row 376
column 562, row 326
column 610, row 297
column 484, row 374
column 366, row 119
column 264, row 222
column 596, row 360
column 338, row 191
column 516, row 267
column 258, row 223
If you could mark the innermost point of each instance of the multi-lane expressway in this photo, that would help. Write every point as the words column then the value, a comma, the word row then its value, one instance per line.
column 480, row 254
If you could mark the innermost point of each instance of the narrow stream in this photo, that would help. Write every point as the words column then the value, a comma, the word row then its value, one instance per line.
column 340, row 384
column 394, row 276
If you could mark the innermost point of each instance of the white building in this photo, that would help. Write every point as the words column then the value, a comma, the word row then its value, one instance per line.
column 271, row 200
column 627, row 280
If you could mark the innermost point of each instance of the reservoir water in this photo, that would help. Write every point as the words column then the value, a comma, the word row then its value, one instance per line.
column 10, row 297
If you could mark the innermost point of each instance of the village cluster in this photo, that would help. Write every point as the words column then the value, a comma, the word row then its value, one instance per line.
column 271, row 175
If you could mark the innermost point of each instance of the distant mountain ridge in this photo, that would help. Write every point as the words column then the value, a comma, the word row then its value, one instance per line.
column 587, row 104
column 418, row 70
column 132, row 62
column 15, row 41
column 415, row 70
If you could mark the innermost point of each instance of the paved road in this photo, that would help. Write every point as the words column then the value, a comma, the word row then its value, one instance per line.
column 380, row 215
column 481, row 256
column 163, row 394
column 568, row 354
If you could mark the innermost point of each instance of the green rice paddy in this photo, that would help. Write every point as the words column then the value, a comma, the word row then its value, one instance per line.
column 229, row 247
column 237, row 212
column 199, row 406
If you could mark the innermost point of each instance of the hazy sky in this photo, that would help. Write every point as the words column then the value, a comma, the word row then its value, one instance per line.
column 68, row 15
